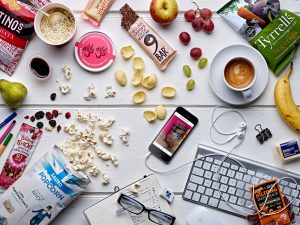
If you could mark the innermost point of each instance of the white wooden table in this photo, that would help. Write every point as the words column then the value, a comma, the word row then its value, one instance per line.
column 200, row 102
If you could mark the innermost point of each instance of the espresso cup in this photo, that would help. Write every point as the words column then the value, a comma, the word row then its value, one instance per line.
column 240, row 75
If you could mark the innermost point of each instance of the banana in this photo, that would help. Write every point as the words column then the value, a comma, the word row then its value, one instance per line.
column 284, row 101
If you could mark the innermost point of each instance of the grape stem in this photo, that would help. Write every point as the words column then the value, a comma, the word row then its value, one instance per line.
column 198, row 9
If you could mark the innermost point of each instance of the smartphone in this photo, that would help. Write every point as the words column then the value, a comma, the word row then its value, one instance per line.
column 173, row 134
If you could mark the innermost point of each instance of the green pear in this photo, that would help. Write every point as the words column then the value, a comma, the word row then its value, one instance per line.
column 13, row 93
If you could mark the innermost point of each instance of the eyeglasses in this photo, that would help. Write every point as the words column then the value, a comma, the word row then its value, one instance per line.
column 135, row 207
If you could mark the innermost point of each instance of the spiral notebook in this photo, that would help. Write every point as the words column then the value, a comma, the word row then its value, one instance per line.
column 104, row 212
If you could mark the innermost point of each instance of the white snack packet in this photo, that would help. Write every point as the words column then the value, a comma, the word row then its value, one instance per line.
column 42, row 192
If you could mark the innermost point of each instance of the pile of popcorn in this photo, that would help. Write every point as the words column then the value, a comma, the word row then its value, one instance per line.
column 82, row 144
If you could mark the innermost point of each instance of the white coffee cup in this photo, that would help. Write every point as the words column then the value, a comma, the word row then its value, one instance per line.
column 236, row 64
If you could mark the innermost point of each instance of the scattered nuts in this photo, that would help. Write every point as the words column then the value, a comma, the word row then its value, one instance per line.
column 137, row 78
column 168, row 92
column 121, row 77
column 161, row 112
column 139, row 97
column 138, row 63
column 190, row 84
column 150, row 116
column 127, row 52
column 150, row 81
column 67, row 71
column 110, row 92
column 64, row 88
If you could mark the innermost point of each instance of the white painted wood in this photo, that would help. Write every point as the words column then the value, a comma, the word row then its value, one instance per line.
column 39, row 91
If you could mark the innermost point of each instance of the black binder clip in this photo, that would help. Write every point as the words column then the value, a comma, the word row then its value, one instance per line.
column 263, row 134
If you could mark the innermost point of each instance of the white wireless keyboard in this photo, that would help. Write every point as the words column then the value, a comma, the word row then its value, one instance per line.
column 202, row 185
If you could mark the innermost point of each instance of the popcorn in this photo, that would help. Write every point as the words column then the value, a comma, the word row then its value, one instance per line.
column 64, row 88
column 110, row 92
column 124, row 136
column 114, row 160
column 91, row 94
column 67, row 71
column 105, row 124
column 82, row 117
column 134, row 188
column 94, row 171
column 105, row 178
column 48, row 128
column 106, row 138
column 71, row 129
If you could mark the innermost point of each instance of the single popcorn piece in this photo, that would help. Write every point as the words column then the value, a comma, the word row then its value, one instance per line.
column 105, row 124
column 106, row 138
column 64, row 88
column 134, row 188
column 48, row 128
column 94, row 171
column 110, row 92
column 67, row 71
column 82, row 117
column 92, row 93
column 114, row 160
column 71, row 129
column 105, row 178
column 124, row 136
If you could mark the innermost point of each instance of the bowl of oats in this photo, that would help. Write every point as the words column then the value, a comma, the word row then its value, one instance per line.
column 58, row 28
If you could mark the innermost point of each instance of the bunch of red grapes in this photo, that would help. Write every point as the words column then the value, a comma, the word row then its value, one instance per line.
column 200, row 19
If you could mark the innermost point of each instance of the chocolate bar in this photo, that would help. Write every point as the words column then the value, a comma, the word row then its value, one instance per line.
column 150, row 41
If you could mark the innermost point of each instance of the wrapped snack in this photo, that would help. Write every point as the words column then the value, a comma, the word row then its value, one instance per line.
column 273, row 32
column 42, row 192
column 19, row 157
column 16, row 27
column 95, row 11
column 159, row 51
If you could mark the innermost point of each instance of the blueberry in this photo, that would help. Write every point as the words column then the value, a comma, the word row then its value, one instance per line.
column 40, row 125
column 53, row 96
column 52, row 123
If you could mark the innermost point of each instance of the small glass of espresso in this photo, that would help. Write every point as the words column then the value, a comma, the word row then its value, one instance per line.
column 39, row 68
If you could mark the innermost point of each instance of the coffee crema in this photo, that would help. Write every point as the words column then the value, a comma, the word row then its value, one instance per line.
column 239, row 73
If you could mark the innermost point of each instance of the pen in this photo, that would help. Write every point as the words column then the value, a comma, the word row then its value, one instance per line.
column 6, row 142
column 8, row 119
column 3, row 136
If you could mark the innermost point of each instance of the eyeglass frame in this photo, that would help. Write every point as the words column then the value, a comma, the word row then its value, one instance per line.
column 144, row 209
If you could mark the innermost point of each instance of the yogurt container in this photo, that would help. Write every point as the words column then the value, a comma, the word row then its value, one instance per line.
column 94, row 51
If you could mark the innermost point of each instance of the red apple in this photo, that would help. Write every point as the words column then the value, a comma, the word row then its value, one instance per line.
column 163, row 11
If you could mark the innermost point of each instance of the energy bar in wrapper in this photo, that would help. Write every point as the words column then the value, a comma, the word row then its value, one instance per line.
column 42, row 192
column 20, row 155
column 95, row 11
column 273, row 32
column 157, row 48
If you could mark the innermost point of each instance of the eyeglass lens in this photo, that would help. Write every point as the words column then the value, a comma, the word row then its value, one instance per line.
column 131, row 205
column 160, row 218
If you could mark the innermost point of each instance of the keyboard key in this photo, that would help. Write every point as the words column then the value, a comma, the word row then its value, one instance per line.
column 247, row 195
column 232, row 182
column 239, row 193
column 293, row 185
column 233, row 199
column 214, row 168
column 224, row 180
column 249, row 205
column 192, row 186
column 230, row 173
column 251, row 172
column 196, row 196
column 223, row 188
column 234, row 167
column 238, row 175
column 226, row 164
column 207, row 183
column 216, row 177
column 199, row 163
column 241, row 202
column 216, row 185
column 255, row 180
column 201, row 189
column 206, row 166
column 295, row 193
column 225, row 196
column 209, row 159
column 284, row 182
column 198, row 171
column 208, row 175
column 231, row 190
column 240, row 184
column 209, row 191
column 259, row 175
column 196, row 179
column 204, row 199
column 242, row 170
column 213, row 202
column 188, row 194
column 286, row 191
column 247, row 178
column 223, row 171
column 247, row 187
column 217, row 195
column 217, row 162
column 267, row 177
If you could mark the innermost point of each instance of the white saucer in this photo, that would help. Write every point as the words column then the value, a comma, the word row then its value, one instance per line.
column 217, row 72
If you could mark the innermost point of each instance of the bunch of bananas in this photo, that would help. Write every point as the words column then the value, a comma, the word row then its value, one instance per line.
column 285, row 103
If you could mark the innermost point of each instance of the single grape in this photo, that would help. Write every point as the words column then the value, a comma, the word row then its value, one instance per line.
column 185, row 38
column 208, row 26
column 197, row 24
column 196, row 53
column 202, row 63
column 190, row 15
column 187, row 70
column 206, row 13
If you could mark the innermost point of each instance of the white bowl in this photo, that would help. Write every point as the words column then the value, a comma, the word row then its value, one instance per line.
column 39, row 16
